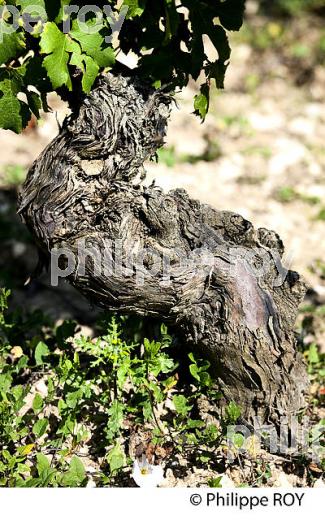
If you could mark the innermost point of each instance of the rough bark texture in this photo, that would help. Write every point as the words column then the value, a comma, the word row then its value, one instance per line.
column 207, row 271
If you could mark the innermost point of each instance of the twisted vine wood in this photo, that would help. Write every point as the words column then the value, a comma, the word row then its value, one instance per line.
column 238, row 311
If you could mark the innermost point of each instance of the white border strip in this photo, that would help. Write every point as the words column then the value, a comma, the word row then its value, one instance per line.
column 134, row 504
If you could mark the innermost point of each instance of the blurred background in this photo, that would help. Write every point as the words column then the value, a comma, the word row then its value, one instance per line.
column 260, row 153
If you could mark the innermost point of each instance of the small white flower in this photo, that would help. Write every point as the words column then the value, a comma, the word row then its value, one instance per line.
column 147, row 475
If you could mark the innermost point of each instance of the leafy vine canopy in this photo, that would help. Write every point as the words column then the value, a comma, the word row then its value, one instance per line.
column 63, row 45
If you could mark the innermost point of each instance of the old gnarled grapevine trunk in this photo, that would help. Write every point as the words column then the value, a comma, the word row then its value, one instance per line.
column 207, row 271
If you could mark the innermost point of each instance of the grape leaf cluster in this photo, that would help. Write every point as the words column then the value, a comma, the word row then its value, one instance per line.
column 166, row 36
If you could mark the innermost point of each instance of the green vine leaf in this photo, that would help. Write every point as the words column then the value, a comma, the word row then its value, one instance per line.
column 14, row 113
column 93, row 46
column 89, row 68
column 27, row 3
column 58, row 46
column 201, row 102
column 11, row 45
column 136, row 7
